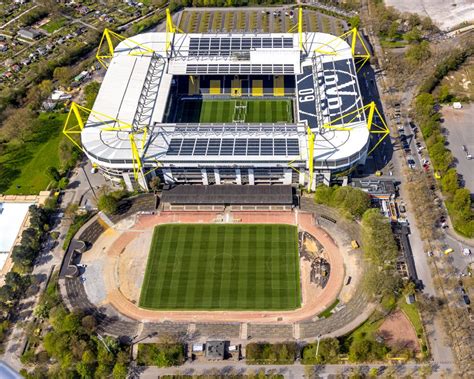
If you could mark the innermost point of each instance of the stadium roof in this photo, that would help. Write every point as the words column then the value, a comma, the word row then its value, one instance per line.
column 136, row 87
column 229, row 194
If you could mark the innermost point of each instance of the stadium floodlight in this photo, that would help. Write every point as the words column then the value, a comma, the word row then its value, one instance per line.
column 111, row 39
column 298, row 26
column 332, row 47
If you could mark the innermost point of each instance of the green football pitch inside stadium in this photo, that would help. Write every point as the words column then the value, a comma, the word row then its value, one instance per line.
column 249, row 111
column 222, row 267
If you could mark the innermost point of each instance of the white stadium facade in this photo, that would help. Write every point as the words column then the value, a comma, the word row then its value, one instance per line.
column 132, row 133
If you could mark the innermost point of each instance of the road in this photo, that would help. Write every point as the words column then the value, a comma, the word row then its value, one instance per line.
column 17, row 17
column 296, row 371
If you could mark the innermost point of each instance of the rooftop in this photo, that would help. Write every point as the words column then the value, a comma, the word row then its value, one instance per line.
column 229, row 194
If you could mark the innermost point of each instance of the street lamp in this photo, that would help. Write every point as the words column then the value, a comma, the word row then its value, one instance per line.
column 317, row 346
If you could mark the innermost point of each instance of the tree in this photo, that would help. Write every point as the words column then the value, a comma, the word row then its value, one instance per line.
column 413, row 35
column 53, row 173
column 443, row 95
column 23, row 255
column 328, row 352
column 63, row 75
column 392, row 32
column 19, row 122
column 354, row 21
column 38, row 217
column 89, row 323
column 90, row 93
column 17, row 282
column 108, row 203
column 36, row 94
column 323, row 194
column 120, row 371
column 155, row 184
column 449, row 182
column 29, row 237
column 377, row 238
column 418, row 52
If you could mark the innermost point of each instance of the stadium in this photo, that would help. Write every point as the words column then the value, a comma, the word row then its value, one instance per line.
column 238, row 108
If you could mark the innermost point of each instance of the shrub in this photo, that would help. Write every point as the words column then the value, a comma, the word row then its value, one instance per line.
column 161, row 355
column 108, row 203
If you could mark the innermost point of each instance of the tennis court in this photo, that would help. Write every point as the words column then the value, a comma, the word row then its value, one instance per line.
column 240, row 111
column 212, row 266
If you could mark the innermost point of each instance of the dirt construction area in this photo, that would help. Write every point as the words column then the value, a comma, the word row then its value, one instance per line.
column 398, row 332
column 116, row 263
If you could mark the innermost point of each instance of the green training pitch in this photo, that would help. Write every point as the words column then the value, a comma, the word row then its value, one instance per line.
column 222, row 267
column 249, row 111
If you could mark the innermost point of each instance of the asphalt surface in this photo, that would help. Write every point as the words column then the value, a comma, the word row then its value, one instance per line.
column 458, row 124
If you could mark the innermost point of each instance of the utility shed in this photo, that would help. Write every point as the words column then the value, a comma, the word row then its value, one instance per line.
column 215, row 350
column 229, row 194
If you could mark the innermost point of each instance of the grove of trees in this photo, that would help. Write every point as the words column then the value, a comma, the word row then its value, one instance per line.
column 352, row 202
column 266, row 353
column 458, row 200
column 71, row 348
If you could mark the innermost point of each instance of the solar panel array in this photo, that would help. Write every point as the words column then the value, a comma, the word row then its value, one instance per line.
column 222, row 46
column 233, row 146
column 254, row 69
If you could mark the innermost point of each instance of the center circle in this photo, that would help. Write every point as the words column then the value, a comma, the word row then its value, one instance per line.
column 221, row 260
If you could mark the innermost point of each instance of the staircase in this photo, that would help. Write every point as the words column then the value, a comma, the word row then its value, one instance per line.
column 147, row 99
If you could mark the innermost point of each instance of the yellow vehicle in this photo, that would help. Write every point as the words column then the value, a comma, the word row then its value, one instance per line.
column 355, row 244
column 378, row 173
column 437, row 175
column 448, row 251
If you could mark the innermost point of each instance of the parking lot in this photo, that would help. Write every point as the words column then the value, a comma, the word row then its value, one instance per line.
column 459, row 133
column 276, row 20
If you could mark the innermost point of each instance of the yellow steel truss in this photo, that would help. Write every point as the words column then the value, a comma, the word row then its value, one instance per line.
column 110, row 40
column 171, row 29
column 75, row 123
column 298, row 26
column 332, row 47
column 310, row 162
column 374, row 128
column 379, row 128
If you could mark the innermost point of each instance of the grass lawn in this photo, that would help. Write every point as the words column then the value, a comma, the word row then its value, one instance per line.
column 23, row 165
column 252, row 111
column 327, row 312
column 217, row 267
column 54, row 24
column 411, row 311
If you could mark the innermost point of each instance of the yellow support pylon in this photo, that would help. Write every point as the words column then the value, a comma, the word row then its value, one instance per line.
column 110, row 39
column 311, row 138
column 373, row 127
column 76, row 122
column 298, row 26
column 171, row 29
column 335, row 43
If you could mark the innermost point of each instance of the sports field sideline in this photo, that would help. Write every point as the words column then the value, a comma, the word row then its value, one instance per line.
column 219, row 267
column 249, row 111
